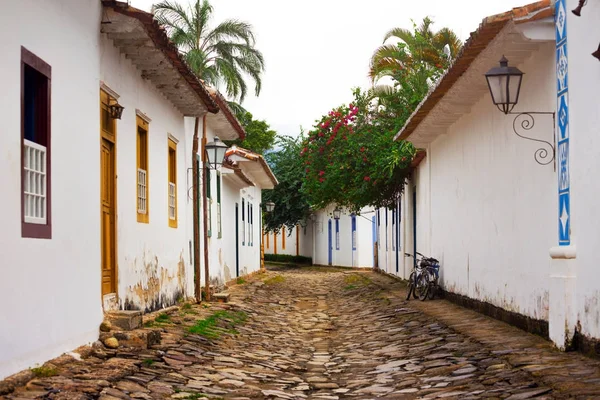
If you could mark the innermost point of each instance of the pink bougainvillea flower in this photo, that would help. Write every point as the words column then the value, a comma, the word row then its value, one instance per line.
column 321, row 173
column 362, row 149
column 365, row 159
column 321, row 180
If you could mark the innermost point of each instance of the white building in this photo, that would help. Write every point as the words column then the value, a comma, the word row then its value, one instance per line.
column 484, row 200
column 146, row 249
column 97, row 208
column 294, row 242
column 480, row 202
column 235, row 215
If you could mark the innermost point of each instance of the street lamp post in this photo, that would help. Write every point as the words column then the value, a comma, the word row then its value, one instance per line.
column 215, row 154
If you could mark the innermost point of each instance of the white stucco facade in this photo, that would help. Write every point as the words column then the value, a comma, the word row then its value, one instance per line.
column 154, row 268
column 51, row 288
column 294, row 242
column 341, row 250
column 484, row 207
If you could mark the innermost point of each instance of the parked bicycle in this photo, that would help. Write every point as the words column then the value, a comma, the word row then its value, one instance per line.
column 417, row 282
column 423, row 281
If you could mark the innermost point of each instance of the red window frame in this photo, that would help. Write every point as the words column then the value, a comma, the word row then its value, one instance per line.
column 29, row 230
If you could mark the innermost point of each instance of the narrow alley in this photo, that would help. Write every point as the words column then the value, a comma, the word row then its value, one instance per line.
column 321, row 333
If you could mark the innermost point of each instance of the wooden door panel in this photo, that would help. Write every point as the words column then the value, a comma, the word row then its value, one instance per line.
column 107, row 186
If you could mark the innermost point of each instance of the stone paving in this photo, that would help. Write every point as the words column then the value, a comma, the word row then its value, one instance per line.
column 321, row 333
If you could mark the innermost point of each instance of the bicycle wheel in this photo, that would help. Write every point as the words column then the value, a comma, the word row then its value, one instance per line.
column 422, row 287
column 411, row 286
column 433, row 286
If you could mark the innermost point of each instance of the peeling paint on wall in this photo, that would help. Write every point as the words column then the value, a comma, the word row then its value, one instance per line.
column 156, row 286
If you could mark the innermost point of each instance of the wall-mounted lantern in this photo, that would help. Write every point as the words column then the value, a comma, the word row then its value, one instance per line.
column 337, row 213
column 115, row 110
column 269, row 206
column 504, row 83
column 215, row 153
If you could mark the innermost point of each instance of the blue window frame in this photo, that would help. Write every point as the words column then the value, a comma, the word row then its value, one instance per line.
column 353, row 232
column 337, row 234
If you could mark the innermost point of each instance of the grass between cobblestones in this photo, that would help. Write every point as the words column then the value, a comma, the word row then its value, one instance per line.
column 356, row 281
column 275, row 279
column 218, row 323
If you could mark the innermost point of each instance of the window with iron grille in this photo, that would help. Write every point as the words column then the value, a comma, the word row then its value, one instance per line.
column 172, row 204
column 143, row 211
column 35, row 151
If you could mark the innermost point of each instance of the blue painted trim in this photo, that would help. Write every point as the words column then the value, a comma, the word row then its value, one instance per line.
column 562, row 106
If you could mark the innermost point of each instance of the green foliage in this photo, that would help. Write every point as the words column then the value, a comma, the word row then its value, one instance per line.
column 351, row 160
column 224, row 54
column 162, row 318
column 291, row 205
column 259, row 135
column 420, row 50
column 148, row 362
column 240, row 281
column 288, row 258
column 44, row 371
column 218, row 323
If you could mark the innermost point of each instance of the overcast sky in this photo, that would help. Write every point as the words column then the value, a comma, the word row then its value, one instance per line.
column 317, row 50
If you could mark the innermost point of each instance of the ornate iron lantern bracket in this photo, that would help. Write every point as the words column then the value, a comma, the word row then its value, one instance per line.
column 525, row 121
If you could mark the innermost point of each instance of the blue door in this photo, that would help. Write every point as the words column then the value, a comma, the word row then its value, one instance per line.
column 374, row 247
column 330, row 260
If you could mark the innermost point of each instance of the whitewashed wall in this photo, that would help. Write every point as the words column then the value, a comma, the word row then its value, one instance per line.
column 154, row 267
column 485, row 208
column 250, row 254
column 584, row 108
column 345, row 256
column 51, row 287
column 298, row 241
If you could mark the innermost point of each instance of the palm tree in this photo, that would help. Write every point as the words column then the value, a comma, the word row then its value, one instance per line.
column 415, row 52
column 223, row 55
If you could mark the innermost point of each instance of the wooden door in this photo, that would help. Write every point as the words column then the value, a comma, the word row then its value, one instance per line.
column 107, row 193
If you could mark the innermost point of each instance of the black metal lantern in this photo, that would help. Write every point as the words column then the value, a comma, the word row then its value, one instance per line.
column 269, row 206
column 504, row 83
column 115, row 110
column 215, row 153
column 337, row 213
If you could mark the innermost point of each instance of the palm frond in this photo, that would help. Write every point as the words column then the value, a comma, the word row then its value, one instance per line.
column 399, row 33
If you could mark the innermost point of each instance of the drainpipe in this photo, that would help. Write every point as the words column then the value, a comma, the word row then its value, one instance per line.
column 196, row 213
column 205, row 211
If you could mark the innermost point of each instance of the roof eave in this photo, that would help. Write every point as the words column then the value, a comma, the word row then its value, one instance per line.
column 479, row 40
column 161, row 41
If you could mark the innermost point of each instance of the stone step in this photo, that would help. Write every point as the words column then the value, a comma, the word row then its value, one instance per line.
column 125, row 319
column 222, row 297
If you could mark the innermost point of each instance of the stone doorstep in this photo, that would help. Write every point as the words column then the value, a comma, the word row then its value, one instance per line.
column 124, row 319
column 222, row 297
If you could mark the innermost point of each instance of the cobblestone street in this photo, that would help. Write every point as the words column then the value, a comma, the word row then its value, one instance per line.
column 320, row 333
